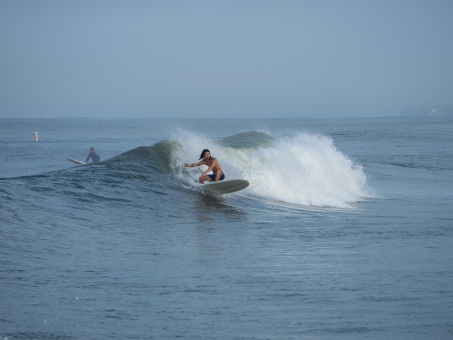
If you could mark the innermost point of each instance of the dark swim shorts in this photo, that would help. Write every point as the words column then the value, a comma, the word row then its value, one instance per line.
column 213, row 177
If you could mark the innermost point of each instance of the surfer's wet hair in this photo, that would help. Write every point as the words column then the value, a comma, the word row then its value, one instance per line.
column 203, row 152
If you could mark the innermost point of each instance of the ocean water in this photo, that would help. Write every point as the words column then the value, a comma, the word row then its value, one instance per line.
column 345, row 232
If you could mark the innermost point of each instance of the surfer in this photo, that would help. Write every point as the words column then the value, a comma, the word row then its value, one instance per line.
column 95, row 158
column 213, row 165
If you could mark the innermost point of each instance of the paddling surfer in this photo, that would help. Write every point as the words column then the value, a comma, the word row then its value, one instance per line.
column 213, row 165
column 95, row 158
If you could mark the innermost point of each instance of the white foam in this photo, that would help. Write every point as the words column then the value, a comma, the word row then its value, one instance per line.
column 305, row 169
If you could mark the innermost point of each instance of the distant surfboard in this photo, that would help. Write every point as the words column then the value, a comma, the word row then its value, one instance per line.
column 76, row 161
column 226, row 187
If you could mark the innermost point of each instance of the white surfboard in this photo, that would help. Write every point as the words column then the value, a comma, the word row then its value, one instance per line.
column 76, row 161
column 226, row 187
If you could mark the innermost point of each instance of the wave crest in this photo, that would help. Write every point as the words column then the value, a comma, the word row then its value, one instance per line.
column 305, row 169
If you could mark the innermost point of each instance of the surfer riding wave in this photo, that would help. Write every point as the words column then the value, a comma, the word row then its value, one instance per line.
column 213, row 165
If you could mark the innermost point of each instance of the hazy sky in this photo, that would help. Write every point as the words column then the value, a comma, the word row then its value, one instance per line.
column 248, row 58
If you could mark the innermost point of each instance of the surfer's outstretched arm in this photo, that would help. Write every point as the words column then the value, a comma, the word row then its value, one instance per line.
column 193, row 164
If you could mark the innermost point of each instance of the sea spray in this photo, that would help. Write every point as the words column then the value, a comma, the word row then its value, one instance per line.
column 306, row 170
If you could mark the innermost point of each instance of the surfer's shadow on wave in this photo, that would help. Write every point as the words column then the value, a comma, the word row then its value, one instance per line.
column 209, row 208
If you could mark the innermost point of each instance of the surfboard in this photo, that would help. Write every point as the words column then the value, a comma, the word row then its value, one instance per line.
column 76, row 161
column 226, row 187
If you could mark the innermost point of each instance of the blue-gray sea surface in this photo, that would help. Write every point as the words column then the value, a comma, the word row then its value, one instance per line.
column 345, row 232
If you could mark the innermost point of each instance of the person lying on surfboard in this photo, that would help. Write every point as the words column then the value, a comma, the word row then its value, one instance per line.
column 213, row 165
column 95, row 158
